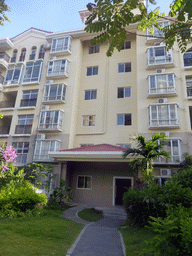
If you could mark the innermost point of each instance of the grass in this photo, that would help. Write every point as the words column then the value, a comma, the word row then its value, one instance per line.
column 133, row 238
column 47, row 235
column 90, row 214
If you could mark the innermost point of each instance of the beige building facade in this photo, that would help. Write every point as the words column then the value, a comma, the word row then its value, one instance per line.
column 57, row 92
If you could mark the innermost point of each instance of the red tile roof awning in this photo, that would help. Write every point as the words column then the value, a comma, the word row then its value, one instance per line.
column 99, row 147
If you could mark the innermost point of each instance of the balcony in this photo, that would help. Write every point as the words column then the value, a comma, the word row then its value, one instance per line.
column 173, row 146
column 58, row 69
column 51, row 121
column 163, row 116
column 5, row 125
column 158, row 57
column 7, row 105
column 158, row 34
column 54, row 93
column 23, row 129
column 43, row 147
column 61, row 46
column 4, row 60
column 160, row 85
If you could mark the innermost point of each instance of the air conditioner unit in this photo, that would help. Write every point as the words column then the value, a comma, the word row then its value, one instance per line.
column 163, row 100
column 159, row 71
column 46, row 47
column 52, row 58
column 40, row 136
column 48, row 81
column 165, row 172
column 44, row 108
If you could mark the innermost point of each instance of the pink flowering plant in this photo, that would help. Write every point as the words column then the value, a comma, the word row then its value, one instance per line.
column 7, row 168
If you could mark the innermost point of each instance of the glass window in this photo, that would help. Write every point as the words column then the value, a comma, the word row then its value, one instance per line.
column 13, row 75
column 124, row 92
column 41, row 52
column 58, row 67
column 54, row 92
column 43, row 147
column 90, row 94
column 127, row 45
column 84, row 182
column 23, row 53
column 32, row 72
column 92, row 71
column 51, row 120
column 124, row 119
column 88, row 120
column 124, row 67
column 61, row 44
column 21, row 151
column 187, row 58
column 29, row 98
column 94, row 49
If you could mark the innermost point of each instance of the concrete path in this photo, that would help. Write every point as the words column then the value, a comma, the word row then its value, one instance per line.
column 99, row 238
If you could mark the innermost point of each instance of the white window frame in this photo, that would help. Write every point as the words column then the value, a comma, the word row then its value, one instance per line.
column 45, row 156
column 62, row 95
column 89, row 176
column 11, row 82
column 63, row 68
column 64, row 46
column 90, row 94
column 89, row 121
column 37, row 79
column 124, row 94
column 167, row 58
column 92, row 71
column 158, row 120
column 50, row 125
column 124, row 119
column 124, row 69
column 161, row 90
column 22, row 154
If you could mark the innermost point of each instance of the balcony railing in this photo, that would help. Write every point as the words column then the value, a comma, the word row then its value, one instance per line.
column 162, row 90
column 50, row 126
column 23, row 129
column 4, row 130
column 5, row 56
column 7, row 104
column 28, row 103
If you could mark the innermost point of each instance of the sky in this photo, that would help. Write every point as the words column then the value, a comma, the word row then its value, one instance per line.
column 49, row 15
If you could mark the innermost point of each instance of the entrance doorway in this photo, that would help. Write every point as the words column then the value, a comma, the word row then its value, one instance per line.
column 120, row 185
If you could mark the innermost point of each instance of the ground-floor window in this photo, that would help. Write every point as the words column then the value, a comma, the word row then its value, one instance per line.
column 84, row 182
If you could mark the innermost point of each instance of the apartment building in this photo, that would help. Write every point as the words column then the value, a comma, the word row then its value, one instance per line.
column 60, row 93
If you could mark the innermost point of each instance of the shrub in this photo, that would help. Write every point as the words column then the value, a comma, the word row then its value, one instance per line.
column 19, row 197
column 140, row 204
column 173, row 233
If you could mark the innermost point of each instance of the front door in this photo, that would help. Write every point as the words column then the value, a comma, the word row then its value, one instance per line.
column 120, row 189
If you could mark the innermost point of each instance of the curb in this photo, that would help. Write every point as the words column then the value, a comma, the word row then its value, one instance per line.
column 123, row 245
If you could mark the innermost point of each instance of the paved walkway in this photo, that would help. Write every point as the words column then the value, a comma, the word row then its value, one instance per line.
column 99, row 238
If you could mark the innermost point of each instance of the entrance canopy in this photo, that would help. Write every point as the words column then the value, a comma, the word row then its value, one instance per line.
column 100, row 153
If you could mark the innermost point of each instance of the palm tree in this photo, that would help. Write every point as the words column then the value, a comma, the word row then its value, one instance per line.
column 149, row 150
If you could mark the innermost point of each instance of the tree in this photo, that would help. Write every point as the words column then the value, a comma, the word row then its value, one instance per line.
column 111, row 18
column 3, row 8
column 149, row 150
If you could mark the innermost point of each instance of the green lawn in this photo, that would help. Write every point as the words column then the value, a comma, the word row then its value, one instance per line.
column 47, row 235
column 133, row 238
column 90, row 214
